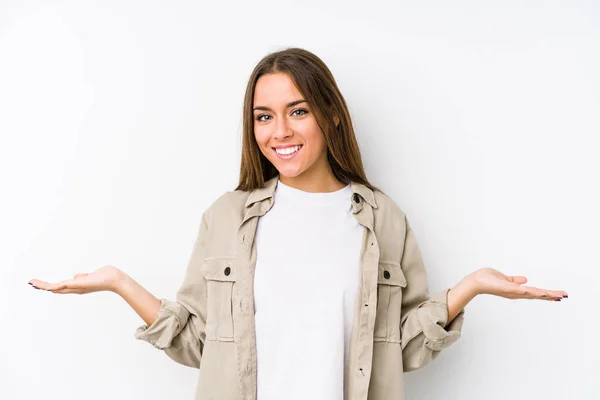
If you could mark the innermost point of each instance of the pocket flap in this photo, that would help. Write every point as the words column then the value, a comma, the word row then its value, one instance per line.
column 219, row 269
column 390, row 273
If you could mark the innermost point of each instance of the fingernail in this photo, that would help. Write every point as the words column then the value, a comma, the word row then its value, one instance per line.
column 556, row 299
column 565, row 297
column 29, row 283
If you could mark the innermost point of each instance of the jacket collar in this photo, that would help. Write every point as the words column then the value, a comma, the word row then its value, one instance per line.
column 266, row 192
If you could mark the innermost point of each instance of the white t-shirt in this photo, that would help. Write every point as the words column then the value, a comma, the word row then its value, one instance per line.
column 305, row 288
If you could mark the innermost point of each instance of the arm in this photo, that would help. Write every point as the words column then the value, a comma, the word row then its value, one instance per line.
column 177, row 327
column 460, row 295
column 429, row 323
column 141, row 300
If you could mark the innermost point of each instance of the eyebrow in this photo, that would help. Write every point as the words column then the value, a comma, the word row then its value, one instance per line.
column 293, row 103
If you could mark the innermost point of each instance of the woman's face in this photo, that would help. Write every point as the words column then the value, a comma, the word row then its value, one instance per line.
column 285, row 128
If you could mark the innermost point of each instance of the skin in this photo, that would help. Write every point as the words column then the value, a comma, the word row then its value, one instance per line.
column 278, row 123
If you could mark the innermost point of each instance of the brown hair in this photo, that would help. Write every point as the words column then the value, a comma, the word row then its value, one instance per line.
column 316, row 83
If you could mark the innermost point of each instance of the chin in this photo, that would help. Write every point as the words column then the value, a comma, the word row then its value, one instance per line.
column 289, row 172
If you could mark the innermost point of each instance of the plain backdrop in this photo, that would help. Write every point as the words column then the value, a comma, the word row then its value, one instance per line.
column 120, row 123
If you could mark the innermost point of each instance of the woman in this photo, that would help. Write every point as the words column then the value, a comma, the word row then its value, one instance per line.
column 306, row 281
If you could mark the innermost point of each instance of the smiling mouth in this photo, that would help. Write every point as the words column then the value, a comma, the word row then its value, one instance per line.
column 287, row 151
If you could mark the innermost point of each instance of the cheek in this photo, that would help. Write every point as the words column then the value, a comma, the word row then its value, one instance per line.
column 312, row 133
column 261, row 137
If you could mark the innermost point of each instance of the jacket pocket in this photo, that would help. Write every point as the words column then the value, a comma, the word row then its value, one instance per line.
column 220, row 275
column 390, row 283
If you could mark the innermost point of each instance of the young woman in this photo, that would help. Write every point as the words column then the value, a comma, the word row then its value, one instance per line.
column 306, row 281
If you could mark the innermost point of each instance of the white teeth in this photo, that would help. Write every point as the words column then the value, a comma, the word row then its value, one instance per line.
column 288, row 150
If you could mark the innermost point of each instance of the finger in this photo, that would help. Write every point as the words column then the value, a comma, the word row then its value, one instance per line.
column 67, row 291
column 560, row 293
column 531, row 292
column 43, row 285
column 552, row 293
column 38, row 284
column 517, row 279
column 68, row 284
column 547, row 296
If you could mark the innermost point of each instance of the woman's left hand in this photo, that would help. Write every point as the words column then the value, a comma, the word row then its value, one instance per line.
column 491, row 281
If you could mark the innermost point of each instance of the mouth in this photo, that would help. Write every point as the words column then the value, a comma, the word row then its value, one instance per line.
column 286, row 153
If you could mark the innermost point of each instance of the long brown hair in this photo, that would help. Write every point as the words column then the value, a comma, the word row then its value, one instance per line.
column 316, row 83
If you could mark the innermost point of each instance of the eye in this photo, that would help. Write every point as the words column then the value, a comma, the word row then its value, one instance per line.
column 258, row 117
column 300, row 109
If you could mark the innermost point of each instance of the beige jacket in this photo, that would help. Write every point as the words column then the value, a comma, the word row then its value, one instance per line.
column 397, row 327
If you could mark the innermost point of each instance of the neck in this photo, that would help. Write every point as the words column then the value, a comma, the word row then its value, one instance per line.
column 323, row 182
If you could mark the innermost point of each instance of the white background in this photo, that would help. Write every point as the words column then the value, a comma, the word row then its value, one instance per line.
column 121, row 122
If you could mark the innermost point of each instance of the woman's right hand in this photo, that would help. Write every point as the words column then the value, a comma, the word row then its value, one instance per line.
column 106, row 278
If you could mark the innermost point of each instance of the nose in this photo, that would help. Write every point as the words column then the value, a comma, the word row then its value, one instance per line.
column 282, row 129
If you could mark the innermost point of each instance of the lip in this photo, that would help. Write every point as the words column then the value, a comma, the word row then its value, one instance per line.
column 285, row 146
column 287, row 157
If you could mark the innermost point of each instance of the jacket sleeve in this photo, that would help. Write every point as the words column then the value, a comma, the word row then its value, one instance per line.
column 423, row 324
column 179, row 328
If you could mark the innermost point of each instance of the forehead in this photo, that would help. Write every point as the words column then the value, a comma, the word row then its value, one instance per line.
column 275, row 88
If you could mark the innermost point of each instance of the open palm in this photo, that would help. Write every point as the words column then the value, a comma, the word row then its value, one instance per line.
column 103, row 279
column 491, row 281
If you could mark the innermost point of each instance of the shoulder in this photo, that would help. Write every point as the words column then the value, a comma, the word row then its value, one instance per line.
column 386, row 207
column 229, row 205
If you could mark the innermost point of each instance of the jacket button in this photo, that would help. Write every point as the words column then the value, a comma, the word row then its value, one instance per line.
column 386, row 274
column 228, row 271
column 355, row 197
